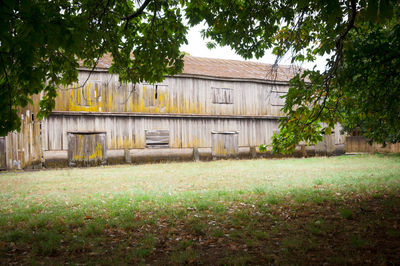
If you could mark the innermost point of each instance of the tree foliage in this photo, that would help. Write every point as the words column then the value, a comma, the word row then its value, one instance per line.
column 360, row 85
column 42, row 43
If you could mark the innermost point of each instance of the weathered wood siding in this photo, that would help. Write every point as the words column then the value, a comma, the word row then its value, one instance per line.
column 3, row 159
column 24, row 148
column 128, row 132
column 360, row 144
column 175, row 95
column 224, row 144
column 188, row 108
column 86, row 148
column 157, row 138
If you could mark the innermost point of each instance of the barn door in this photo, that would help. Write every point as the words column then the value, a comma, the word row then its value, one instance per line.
column 224, row 144
column 3, row 165
column 87, row 148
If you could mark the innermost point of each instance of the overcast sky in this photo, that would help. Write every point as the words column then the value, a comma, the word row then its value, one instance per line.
column 197, row 47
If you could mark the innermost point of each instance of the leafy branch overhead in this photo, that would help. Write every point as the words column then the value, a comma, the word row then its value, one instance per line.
column 359, row 88
column 42, row 43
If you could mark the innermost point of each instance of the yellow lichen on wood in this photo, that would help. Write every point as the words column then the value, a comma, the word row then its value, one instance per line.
column 219, row 149
column 94, row 99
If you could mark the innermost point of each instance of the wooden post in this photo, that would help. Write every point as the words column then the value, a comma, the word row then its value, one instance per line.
column 253, row 152
column 127, row 155
column 196, row 155
column 303, row 150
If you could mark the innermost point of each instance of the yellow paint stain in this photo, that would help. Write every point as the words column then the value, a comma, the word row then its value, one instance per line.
column 195, row 142
column 89, row 102
column 79, row 97
column 139, row 144
column 74, row 103
column 71, row 100
column 113, row 143
column 141, row 106
column 177, row 143
column 219, row 149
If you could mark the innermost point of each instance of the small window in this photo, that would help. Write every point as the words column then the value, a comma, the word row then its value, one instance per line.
column 222, row 95
column 157, row 138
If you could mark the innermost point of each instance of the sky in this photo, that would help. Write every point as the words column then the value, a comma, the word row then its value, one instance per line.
column 197, row 47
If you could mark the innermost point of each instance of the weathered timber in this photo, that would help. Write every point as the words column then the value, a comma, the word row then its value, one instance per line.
column 23, row 149
column 326, row 146
column 86, row 148
column 253, row 152
column 129, row 132
column 196, row 154
column 224, row 144
column 127, row 155
column 176, row 95
column 188, row 106
column 356, row 144
column 157, row 138
column 135, row 114
column 3, row 156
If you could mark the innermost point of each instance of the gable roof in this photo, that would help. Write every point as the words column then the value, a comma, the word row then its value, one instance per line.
column 226, row 69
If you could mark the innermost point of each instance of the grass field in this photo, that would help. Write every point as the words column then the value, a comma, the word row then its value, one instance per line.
column 339, row 210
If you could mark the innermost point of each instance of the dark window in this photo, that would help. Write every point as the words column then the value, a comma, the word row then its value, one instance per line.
column 222, row 95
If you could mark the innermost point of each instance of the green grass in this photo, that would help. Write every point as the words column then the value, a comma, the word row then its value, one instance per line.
column 222, row 212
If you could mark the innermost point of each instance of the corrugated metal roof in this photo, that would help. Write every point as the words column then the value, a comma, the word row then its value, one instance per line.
column 222, row 68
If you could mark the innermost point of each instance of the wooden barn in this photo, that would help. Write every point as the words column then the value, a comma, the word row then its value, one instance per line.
column 215, row 108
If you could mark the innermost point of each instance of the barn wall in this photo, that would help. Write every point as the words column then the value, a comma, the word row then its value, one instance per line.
column 24, row 148
column 102, row 92
column 128, row 132
column 189, row 107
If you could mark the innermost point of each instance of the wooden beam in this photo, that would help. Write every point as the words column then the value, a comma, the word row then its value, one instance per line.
column 130, row 114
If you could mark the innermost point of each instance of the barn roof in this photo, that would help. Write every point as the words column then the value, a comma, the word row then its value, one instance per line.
column 230, row 69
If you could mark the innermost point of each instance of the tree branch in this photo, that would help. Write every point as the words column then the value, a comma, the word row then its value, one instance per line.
column 138, row 12
column 338, row 59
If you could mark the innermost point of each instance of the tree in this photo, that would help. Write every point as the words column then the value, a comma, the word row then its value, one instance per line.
column 42, row 43
column 360, row 87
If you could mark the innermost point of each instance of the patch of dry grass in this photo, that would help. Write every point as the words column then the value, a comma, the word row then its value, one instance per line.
column 202, row 176
column 289, row 211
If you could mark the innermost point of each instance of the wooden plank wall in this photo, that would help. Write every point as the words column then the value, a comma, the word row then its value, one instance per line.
column 127, row 132
column 176, row 95
column 24, row 148
column 224, row 144
column 157, row 138
column 3, row 154
column 86, row 149
column 103, row 104
column 360, row 144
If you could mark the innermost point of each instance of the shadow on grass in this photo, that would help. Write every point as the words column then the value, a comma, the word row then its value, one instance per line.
column 350, row 224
